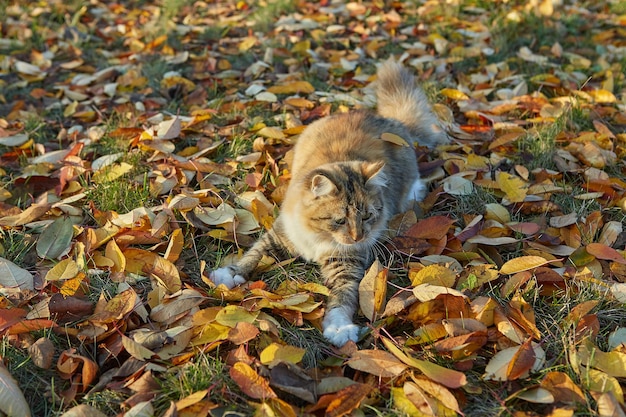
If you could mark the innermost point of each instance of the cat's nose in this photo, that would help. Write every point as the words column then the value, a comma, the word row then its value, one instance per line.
column 356, row 234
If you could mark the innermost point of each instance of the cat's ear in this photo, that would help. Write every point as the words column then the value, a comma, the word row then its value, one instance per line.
column 322, row 185
column 373, row 171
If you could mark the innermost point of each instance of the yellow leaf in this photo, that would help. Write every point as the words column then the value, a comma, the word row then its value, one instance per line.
column 299, row 102
column 210, row 333
column 113, row 252
column 281, row 353
column 447, row 377
column 523, row 263
column 434, row 275
column 603, row 96
column 514, row 187
column 72, row 285
column 247, row 43
column 175, row 245
column 373, row 290
column 395, row 139
column 599, row 381
column 402, row 403
column 70, row 109
column 292, row 88
column 301, row 47
column 65, row 269
column 111, row 173
column 231, row 315
column 613, row 363
column 271, row 133
column 454, row 94
column 250, row 382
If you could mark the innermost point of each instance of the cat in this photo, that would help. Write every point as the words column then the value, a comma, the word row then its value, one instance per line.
column 346, row 183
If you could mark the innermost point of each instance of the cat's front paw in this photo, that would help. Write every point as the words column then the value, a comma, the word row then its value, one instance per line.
column 338, row 327
column 227, row 276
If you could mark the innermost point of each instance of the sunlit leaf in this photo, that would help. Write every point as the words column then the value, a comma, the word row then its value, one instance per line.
column 250, row 382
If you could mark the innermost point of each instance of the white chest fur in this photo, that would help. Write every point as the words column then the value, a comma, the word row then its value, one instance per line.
column 308, row 245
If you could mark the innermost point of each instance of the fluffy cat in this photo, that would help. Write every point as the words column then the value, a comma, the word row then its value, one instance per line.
column 346, row 184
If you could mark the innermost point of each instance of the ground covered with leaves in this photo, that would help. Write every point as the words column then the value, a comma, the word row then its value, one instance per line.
column 144, row 143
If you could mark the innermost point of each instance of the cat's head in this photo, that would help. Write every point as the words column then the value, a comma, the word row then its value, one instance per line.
column 343, row 202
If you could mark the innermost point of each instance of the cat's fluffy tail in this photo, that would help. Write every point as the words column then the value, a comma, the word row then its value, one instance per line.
column 399, row 98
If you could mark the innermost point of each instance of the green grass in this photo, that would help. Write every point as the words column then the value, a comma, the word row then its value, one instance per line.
column 37, row 385
column 120, row 195
column 17, row 246
column 63, row 30
column 267, row 11
column 206, row 372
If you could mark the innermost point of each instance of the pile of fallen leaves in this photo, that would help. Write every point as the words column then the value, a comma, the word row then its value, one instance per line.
column 199, row 103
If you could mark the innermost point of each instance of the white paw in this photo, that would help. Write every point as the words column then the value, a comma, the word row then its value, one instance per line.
column 418, row 190
column 338, row 327
column 226, row 276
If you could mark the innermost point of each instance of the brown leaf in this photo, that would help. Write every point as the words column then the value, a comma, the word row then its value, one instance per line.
column 29, row 215
column 522, row 361
column 70, row 364
column 435, row 227
column 377, row 362
column 348, row 399
column 42, row 353
column 563, row 388
column 605, row 252
column 242, row 332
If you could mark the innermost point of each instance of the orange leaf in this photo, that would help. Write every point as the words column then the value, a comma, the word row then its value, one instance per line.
column 522, row 361
column 605, row 252
column 250, row 382
column 292, row 88
column 27, row 326
column 347, row 400
column 435, row 227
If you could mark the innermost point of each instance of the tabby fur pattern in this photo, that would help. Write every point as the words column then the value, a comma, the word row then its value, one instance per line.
column 346, row 184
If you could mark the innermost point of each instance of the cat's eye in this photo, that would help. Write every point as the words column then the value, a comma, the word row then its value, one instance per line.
column 367, row 216
column 340, row 222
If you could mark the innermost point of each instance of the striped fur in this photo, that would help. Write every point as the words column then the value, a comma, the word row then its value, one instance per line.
column 346, row 184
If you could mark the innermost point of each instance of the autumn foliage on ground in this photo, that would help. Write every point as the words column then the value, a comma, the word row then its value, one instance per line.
column 142, row 144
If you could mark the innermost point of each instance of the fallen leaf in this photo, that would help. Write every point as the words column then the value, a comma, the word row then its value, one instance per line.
column 12, row 401
column 522, row 263
column 250, row 382
column 12, row 276
column 377, row 362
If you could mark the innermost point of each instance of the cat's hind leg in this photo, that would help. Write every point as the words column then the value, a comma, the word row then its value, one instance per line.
column 238, row 273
